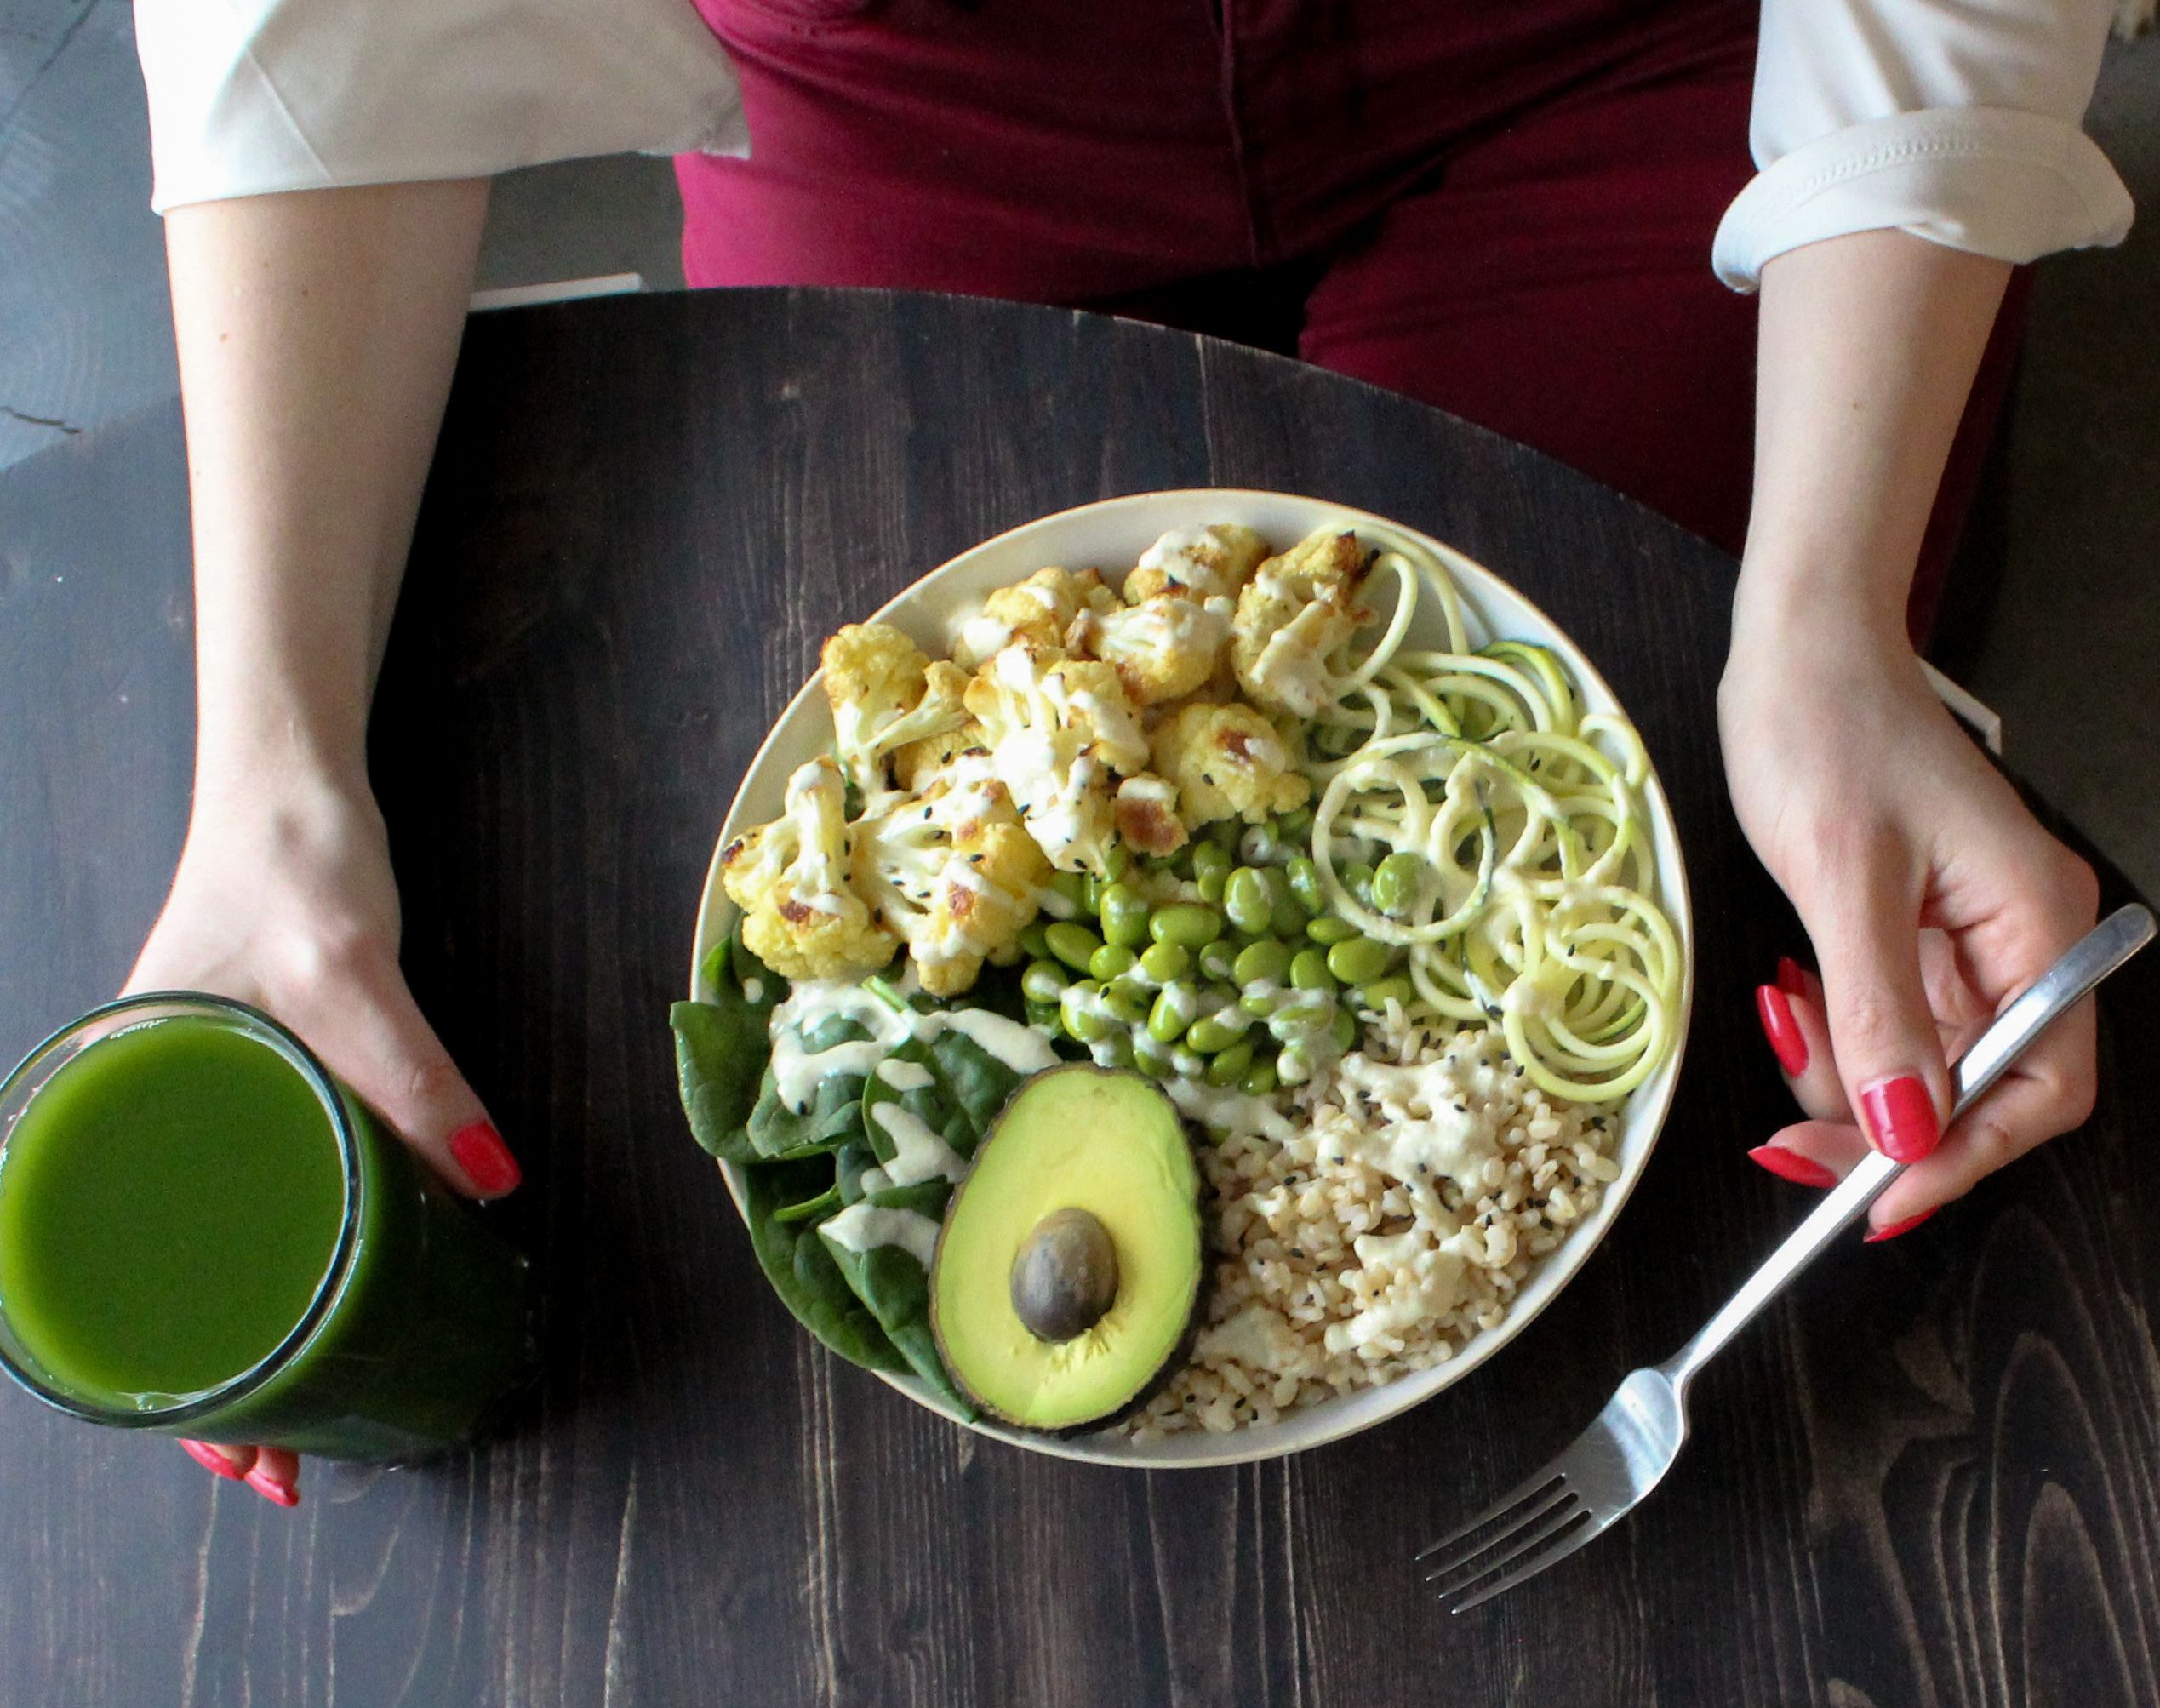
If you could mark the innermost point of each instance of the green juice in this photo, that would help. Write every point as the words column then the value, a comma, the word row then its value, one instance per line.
column 202, row 1232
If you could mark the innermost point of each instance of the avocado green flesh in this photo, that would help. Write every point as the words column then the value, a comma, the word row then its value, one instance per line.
column 1084, row 1137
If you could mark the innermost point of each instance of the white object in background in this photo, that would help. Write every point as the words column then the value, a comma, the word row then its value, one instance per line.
column 1985, row 721
column 563, row 290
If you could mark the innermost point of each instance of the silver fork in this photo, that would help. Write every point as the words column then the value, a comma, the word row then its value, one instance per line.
column 1614, row 1463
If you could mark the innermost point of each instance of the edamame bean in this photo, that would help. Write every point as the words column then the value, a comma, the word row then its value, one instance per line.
column 1224, row 834
column 1118, row 861
column 1304, row 882
column 1163, row 962
column 1111, row 960
column 1246, row 899
column 1266, row 962
column 1217, row 959
column 1293, row 1067
column 1259, row 1079
column 1396, row 881
column 1328, row 930
column 1258, row 846
column 1115, row 1050
column 1358, row 960
column 1175, row 1007
column 1125, row 1001
column 1230, row 1065
column 1188, row 924
column 1091, row 889
column 1033, row 941
column 1151, row 1058
column 1187, row 1066
column 1286, row 913
column 1073, row 944
column 1211, row 869
column 1045, row 981
column 1344, row 1028
column 1080, row 1012
column 1124, row 916
column 1261, row 1002
column 1070, row 885
column 1042, row 1013
column 1357, row 879
column 1381, row 992
column 1309, row 970
column 1213, row 1032
column 1294, row 826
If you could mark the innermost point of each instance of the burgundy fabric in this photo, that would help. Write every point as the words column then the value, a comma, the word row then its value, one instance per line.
column 1506, row 210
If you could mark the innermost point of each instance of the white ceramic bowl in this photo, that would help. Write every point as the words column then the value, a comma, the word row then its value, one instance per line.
column 1111, row 536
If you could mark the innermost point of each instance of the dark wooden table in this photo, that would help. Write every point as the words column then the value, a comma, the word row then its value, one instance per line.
column 1931, row 1476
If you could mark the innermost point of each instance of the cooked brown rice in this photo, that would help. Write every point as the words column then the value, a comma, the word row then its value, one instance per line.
column 1345, row 1257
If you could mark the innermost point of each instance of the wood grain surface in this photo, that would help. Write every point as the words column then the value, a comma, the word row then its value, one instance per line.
column 1931, row 1476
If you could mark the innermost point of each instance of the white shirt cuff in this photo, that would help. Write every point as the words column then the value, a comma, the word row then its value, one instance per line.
column 2015, row 186
column 250, row 97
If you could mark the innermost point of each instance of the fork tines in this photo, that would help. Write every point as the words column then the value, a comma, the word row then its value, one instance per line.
column 1539, row 1521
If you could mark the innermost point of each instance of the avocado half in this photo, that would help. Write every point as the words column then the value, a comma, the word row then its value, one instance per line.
column 1069, row 1265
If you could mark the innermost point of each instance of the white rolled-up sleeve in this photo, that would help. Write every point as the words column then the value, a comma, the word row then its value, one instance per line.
column 248, row 97
column 1959, row 121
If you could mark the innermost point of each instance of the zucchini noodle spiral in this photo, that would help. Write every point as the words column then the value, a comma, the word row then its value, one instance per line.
column 1533, row 907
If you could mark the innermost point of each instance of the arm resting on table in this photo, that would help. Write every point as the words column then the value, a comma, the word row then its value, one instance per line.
column 317, row 331
column 1930, row 895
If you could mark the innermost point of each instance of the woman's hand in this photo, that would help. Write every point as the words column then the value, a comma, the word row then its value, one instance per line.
column 1931, row 897
column 284, row 900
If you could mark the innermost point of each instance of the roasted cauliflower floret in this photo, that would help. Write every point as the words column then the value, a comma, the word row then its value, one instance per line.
column 1202, row 563
column 952, row 871
column 801, row 916
column 913, row 763
column 1226, row 762
column 1061, row 731
column 885, row 695
column 1036, row 612
column 1162, row 649
column 1147, row 815
column 1295, row 611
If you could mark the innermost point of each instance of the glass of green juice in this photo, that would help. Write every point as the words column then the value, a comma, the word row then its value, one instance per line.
column 204, row 1233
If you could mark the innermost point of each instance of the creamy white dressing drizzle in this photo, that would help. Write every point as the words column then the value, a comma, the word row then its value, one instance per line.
column 796, row 1071
column 918, row 1153
column 1222, row 1111
column 865, row 1227
column 904, row 1075
column 1430, row 1127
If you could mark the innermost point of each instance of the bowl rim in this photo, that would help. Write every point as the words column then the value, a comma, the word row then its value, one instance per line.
column 1647, row 1107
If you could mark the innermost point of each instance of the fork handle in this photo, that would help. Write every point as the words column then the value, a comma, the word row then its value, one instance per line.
column 2099, row 953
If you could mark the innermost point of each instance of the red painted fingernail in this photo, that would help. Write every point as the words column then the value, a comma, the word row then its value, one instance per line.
column 1901, row 1118
column 1792, row 980
column 270, row 1488
column 485, row 1158
column 1897, row 1228
column 1783, row 1031
column 211, row 1460
column 1791, row 1165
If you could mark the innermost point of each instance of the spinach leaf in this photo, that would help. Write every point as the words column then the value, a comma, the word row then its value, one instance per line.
column 801, row 1267
column 721, row 1047
column 835, row 1112
column 975, row 1079
column 891, row 1281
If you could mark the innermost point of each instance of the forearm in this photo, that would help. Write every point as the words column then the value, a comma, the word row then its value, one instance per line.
column 317, row 333
column 1868, row 346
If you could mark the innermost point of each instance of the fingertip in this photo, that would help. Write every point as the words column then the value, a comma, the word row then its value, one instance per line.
column 231, row 1462
column 488, row 1165
column 275, row 1475
column 1876, row 1236
column 1791, row 1165
column 1898, row 1114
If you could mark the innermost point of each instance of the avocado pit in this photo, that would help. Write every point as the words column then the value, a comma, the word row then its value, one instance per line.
column 1065, row 1277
